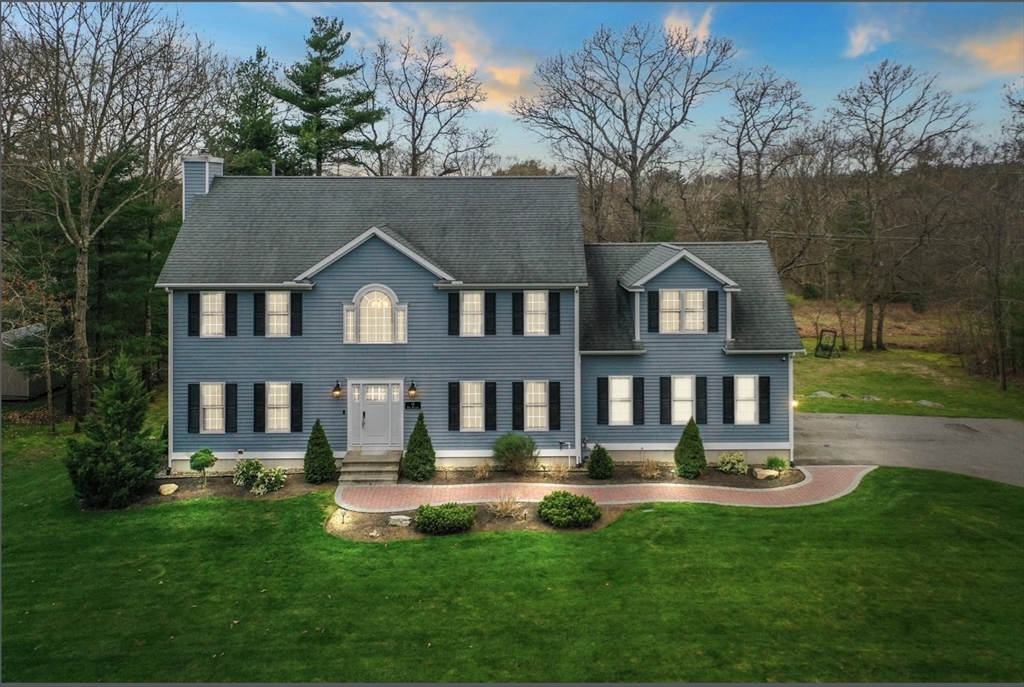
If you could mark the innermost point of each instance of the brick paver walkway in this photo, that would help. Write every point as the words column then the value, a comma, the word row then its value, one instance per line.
column 821, row 483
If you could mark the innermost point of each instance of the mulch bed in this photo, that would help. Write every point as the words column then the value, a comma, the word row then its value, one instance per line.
column 190, row 487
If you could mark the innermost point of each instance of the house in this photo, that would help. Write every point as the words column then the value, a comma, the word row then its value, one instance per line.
column 17, row 385
column 363, row 301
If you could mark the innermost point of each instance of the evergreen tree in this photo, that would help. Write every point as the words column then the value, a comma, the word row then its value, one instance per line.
column 115, row 462
column 318, row 463
column 600, row 465
column 418, row 460
column 689, row 455
column 332, row 115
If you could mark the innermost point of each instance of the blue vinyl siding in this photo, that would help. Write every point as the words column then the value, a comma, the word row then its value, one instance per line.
column 319, row 358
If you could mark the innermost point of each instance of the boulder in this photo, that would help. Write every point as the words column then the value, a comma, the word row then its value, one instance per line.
column 930, row 404
column 870, row 398
column 761, row 473
column 399, row 521
column 822, row 394
column 168, row 489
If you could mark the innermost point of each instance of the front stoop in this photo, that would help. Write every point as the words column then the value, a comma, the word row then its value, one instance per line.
column 359, row 467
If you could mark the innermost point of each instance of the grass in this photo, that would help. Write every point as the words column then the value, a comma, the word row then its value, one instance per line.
column 915, row 576
column 906, row 375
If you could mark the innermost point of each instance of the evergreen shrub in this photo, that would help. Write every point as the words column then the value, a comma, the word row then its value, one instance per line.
column 563, row 509
column 448, row 518
column 600, row 464
column 689, row 454
column 516, row 453
column 418, row 461
column 318, row 463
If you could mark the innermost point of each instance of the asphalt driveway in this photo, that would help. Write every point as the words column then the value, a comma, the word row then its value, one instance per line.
column 993, row 449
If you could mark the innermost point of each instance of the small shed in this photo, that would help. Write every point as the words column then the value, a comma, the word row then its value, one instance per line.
column 16, row 385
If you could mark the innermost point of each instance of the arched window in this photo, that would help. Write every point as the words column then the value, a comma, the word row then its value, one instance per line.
column 375, row 317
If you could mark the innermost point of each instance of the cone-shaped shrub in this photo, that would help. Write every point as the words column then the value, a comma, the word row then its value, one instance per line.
column 690, row 460
column 600, row 464
column 418, row 460
column 318, row 464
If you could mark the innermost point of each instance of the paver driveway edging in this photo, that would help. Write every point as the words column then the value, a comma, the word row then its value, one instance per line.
column 821, row 483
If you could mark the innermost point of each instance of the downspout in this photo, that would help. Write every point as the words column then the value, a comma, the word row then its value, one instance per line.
column 728, row 316
column 636, row 316
column 170, row 376
column 791, row 410
column 577, row 410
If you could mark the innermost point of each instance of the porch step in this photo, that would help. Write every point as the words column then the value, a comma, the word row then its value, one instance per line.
column 370, row 468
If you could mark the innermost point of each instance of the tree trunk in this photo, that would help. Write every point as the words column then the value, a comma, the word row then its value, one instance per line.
column 997, row 315
column 869, row 314
column 48, row 371
column 81, row 342
column 879, row 339
column 69, row 398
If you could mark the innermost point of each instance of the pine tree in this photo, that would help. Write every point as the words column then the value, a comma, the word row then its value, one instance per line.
column 418, row 460
column 331, row 114
column 318, row 463
column 690, row 459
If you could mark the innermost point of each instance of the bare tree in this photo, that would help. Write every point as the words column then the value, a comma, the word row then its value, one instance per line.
column 622, row 97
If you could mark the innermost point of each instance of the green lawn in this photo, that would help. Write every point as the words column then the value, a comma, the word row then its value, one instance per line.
column 905, row 375
column 916, row 576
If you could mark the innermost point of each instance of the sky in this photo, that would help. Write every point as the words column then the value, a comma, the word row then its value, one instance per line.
column 973, row 49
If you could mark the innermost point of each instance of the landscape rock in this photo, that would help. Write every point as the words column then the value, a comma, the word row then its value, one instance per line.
column 168, row 489
column 399, row 521
column 847, row 396
column 930, row 404
column 761, row 473
column 822, row 394
column 870, row 398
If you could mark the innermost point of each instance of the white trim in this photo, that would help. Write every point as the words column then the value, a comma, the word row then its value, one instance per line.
column 577, row 365
column 692, row 399
column 223, row 407
column 631, row 400
column 718, row 446
column 791, row 409
column 395, row 307
column 682, row 312
column 483, row 406
column 289, row 285
column 487, row 453
column 503, row 286
column 462, row 313
column 223, row 315
column 266, row 315
column 694, row 260
column 266, row 409
column 256, row 452
column 639, row 351
column 636, row 316
column 170, row 374
column 206, row 169
column 772, row 352
column 526, row 405
column 728, row 315
column 526, row 312
column 362, row 238
column 757, row 400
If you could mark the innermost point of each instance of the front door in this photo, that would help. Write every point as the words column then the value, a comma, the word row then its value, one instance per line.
column 376, row 415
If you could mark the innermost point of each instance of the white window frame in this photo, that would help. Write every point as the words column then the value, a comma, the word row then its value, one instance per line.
column 463, row 312
column 527, row 312
column 527, row 405
column 287, row 406
column 203, row 407
column 703, row 311
column 662, row 311
column 678, row 419
column 287, row 314
column 628, row 399
column 736, row 400
column 203, row 314
column 463, row 406
column 399, row 318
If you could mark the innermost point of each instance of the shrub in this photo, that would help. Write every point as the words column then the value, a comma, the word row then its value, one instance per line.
column 562, row 509
column 732, row 463
column 114, row 464
column 246, row 472
column 794, row 300
column 448, row 518
column 649, row 469
column 268, row 480
column 418, row 461
column 507, row 505
column 558, row 471
column 689, row 455
column 515, row 452
column 600, row 464
column 810, row 291
column 318, row 463
column 201, row 460
column 483, row 470
column 776, row 463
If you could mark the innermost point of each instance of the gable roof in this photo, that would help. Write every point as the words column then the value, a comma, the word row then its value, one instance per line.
column 479, row 230
column 660, row 258
column 762, row 320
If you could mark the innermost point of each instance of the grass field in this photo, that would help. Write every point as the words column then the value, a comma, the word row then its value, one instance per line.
column 916, row 576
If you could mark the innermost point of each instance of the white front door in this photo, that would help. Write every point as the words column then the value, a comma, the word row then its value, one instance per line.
column 375, row 414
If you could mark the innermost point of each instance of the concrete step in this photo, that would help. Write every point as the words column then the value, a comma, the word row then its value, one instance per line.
column 370, row 467
column 368, row 477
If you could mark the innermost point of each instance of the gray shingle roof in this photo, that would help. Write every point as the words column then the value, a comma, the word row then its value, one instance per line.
column 762, row 320
column 648, row 262
column 516, row 230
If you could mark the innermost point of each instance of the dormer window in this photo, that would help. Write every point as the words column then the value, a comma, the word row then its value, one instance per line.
column 376, row 317
column 694, row 301
column 680, row 310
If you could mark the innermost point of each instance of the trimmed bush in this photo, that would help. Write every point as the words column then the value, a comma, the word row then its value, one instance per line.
column 689, row 455
column 776, row 463
column 733, row 463
column 448, row 518
column 201, row 460
column 246, row 472
column 600, row 464
column 562, row 509
column 268, row 480
column 418, row 461
column 516, row 453
column 318, row 463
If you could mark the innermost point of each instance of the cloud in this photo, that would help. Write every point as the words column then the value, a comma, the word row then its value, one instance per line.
column 679, row 20
column 277, row 8
column 1003, row 55
column 866, row 38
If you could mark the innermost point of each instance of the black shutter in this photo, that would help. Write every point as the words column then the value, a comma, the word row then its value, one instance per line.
column 764, row 400
column 453, row 406
column 231, row 314
column 490, row 405
column 653, row 313
column 296, row 407
column 193, row 408
column 296, row 313
column 702, row 401
column 602, row 400
column 554, row 405
column 259, row 407
column 453, row 314
column 517, row 313
column 638, row 400
column 728, row 405
column 193, row 315
column 517, row 405
column 230, row 407
column 666, row 400
column 490, row 313
column 259, row 315
column 554, row 312
column 712, row 311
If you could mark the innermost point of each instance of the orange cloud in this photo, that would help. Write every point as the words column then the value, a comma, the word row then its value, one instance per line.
column 1004, row 55
column 681, row 20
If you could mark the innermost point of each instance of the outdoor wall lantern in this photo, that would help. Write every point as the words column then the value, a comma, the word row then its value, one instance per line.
column 338, row 391
column 412, row 389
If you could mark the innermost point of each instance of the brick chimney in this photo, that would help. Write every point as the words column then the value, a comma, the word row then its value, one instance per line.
column 197, row 171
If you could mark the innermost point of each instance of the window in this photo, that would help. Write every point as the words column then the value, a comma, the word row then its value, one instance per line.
column 400, row 313
column 536, row 313
column 694, row 311
column 350, row 325
column 278, row 407
column 682, row 400
column 212, row 408
column 620, row 401
column 536, row 405
column 355, row 394
column 471, row 314
column 746, row 400
column 472, row 406
column 212, row 314
column 277, row 313
column 375, row 324
column 671, row 306
column 396, row 393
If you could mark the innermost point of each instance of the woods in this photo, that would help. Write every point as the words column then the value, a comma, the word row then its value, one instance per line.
column 888, row 195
